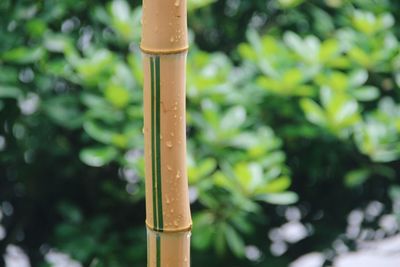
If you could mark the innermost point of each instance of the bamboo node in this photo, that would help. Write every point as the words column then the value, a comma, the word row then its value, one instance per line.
column 163, row 52
column 164, row 230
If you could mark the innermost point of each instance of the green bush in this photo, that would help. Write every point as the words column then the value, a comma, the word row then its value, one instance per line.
column 295, row 103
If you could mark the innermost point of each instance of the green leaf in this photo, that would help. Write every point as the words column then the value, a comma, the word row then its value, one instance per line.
column 120, row 10
column 56, row 43
column 329, row 49
column 345, row 113
column 276, row 157
column 117, row 95
column 120, row 140
column 369, row 24
column 285, row 198
column 219, row 239
column 292, row 78
column 36, row 27
column 366, row 93
column 247, row 52
column 248, row 175
column 8, row 75
column 23, row 55
column 360, row 57
column 294, row 42
column 325, row 23
column 233, row 118
column 235, row 242
column 242, row 224
column 70, row 212
column 289, row 3
column 64, row 110
column 221, row 180
column 202, row 232
column 98, row 156
column 122, row 19
column 358, row 77
column 313, row 111
column 94, row 70
column 9, row 91
column 356, row 177
column 93, row 101
column 98, row 133
column 201, row 170
column 275, row 186
column 254, row 40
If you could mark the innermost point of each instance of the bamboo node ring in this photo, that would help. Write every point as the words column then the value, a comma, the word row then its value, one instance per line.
column 178, row 230
column 164, row 52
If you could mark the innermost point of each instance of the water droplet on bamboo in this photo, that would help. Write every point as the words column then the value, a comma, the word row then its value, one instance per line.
column 172, row 39
column 172, row 134
column 167, row 200
column 171, row 210
column 178, row 175
column 169, row 168
column 169, row 144
column 177, row 3
column 176, row 223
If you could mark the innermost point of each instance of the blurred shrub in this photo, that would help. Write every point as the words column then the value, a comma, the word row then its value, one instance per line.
column 304, row 98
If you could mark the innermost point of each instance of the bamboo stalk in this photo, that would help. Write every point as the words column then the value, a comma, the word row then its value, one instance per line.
column 164, row 46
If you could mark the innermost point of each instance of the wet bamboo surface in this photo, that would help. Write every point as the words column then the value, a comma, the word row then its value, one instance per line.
column 168, row 219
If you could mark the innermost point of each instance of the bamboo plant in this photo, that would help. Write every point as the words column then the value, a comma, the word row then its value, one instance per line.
column 164, row 46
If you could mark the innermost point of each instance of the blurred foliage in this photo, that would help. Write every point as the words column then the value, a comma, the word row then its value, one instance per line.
column 294, row 102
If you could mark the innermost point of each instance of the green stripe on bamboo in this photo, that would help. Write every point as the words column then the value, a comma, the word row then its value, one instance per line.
column 158, row 249
column 158, row 146
column 153, row 154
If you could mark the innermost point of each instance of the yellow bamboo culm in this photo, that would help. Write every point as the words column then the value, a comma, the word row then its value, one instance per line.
column 164, row 46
